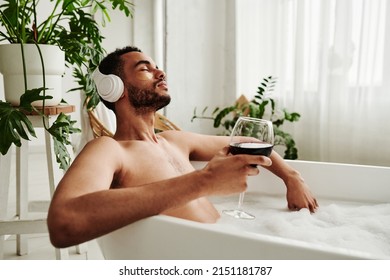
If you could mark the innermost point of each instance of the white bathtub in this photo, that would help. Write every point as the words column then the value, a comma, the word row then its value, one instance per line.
column 163, row 237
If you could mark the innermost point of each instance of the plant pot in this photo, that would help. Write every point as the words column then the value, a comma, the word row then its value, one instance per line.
column 11, row 66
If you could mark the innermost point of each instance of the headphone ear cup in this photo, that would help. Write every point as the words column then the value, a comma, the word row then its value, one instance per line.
column 110, row 87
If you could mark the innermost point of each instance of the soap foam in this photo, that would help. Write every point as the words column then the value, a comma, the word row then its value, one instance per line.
column 349, row 225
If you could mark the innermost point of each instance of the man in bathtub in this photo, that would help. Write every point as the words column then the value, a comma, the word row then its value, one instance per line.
column 136, row 174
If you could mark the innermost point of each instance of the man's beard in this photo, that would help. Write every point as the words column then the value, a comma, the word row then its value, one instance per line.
column 145, row 100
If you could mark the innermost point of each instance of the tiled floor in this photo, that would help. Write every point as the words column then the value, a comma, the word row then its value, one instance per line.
column 39, row 245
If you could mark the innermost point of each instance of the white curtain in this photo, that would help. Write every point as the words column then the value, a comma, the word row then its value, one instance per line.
column 332, row 60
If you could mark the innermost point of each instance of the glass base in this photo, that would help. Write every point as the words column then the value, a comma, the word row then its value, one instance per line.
column 239, row 214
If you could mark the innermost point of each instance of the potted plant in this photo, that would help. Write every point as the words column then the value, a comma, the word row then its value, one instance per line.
column 261, row 106
column 71, row 28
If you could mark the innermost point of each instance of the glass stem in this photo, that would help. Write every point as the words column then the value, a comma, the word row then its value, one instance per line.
column 240, row 201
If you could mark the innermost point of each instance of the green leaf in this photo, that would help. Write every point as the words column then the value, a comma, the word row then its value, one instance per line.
column 262, row 108
column 278, row 122
column 31, row 96
column 223, row 113
column 124, row 6
column 215, row 111
column 14, row 125
column 62, row 154
column 285, row 139
column 272, row 106
column 61, row 131
column 292, row 117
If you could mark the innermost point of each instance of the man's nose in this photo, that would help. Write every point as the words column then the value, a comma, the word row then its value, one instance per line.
column 160, row 74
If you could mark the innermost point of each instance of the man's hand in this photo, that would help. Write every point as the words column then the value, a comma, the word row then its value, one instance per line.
column 227, row 174
column 299, row 196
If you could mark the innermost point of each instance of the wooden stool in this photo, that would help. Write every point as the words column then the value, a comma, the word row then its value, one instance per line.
column 22, row 224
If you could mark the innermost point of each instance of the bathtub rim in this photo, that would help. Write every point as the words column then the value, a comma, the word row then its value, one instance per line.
column 145, row 231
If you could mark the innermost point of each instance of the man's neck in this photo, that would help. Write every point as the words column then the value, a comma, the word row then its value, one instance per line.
column 134, row 126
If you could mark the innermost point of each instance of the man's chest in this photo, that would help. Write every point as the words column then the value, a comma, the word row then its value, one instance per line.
column 154, row 163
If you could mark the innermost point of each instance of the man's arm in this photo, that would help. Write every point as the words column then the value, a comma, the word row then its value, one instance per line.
column 84, row 207
column 298, row 193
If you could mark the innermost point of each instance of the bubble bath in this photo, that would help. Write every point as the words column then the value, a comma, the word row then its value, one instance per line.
column 349, row 225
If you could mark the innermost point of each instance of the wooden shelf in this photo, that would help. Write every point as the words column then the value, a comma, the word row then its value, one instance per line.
column 56, row 110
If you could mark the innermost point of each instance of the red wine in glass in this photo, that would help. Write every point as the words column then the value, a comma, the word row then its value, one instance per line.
column 251, row 148
column 250, row 136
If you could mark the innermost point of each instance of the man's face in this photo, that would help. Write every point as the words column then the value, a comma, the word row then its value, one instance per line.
column 145, row 83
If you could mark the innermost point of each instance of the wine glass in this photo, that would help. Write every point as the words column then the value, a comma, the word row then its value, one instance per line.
column 250, row 136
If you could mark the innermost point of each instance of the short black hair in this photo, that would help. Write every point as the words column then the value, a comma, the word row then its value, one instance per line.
column 113, row 64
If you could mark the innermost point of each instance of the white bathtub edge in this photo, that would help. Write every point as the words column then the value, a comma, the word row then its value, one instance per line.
column 150, row 239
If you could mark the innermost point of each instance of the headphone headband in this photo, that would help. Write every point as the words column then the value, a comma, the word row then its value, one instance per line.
column 110, row 87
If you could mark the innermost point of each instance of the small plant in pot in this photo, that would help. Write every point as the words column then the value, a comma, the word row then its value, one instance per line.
column 72, row 34
column 262, row 106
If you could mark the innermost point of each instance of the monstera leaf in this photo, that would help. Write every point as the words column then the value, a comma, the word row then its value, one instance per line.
column 14, row 123
column 61, row 130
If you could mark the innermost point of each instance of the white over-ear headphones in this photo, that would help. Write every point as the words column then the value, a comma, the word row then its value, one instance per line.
column 110, row 87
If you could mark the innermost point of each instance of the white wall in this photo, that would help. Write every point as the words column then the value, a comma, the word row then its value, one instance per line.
column 200, row 64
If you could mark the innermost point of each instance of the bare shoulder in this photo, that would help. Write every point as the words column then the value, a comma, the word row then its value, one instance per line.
column 99, row 146
column 103, row 149
column 93, row 168
column 103, row 141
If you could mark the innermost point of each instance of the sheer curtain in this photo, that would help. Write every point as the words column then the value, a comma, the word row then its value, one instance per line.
column 332, row 61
